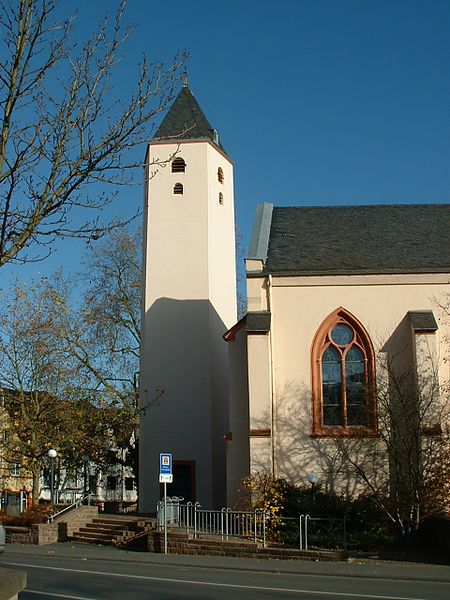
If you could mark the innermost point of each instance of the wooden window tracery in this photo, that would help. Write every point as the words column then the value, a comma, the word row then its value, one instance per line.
column 343, row 378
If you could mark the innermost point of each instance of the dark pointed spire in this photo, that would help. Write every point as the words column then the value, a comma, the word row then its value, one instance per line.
column 185, row 120
column 185, row 70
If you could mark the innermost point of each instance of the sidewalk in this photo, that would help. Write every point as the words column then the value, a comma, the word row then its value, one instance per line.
column 357, row 568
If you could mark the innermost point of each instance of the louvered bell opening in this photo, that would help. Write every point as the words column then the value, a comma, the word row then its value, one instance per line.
column 178, row 165
column 220, row 175
column 220, row 198
column 178, row 188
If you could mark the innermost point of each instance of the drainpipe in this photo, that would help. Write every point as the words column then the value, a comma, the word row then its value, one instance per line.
column 272, row 374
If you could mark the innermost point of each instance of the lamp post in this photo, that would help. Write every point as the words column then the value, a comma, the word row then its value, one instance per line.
column 86, row 475
column 52, row 454
column 313, row 479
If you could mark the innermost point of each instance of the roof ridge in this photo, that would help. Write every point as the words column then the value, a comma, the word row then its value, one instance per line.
column 383, row 205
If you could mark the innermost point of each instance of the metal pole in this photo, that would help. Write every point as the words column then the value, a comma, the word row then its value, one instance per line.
column 307, row 517
column 345, row 532
column 52, row 480
column 165, row 518
column 300, row 539
column 264, row 528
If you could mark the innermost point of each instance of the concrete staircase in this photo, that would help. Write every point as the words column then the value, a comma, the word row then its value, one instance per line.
column 112, row 530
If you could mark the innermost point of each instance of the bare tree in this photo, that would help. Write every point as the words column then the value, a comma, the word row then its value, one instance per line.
column 63, row 127
column 413, row 443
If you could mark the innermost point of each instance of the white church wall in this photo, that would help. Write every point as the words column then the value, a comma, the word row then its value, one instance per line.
column 189, row 302
column 238, row 445
column 299, row 306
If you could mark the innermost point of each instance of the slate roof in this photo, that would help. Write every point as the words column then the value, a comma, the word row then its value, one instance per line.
column 423, row 320
column 258, row 322
column 252, row 322
column 359, row 240
column 185, row 120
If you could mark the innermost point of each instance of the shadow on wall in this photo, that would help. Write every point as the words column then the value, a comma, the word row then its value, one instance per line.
column 181, row 335
column 184, row 383
column 297, row 454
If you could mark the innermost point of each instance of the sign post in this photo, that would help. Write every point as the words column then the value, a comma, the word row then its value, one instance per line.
column 165, row 477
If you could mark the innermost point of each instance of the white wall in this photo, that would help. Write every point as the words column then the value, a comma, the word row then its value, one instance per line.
column 299, row 305
column 189, row 302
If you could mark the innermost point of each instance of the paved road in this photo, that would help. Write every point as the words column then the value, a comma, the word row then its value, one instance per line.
column 81, row 572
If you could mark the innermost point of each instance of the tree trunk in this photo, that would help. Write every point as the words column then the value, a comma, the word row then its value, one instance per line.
column 36, row 477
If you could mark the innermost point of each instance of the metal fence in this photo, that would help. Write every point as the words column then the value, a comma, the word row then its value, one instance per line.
column 226, row 523
column 304, row 531
column 301, row 531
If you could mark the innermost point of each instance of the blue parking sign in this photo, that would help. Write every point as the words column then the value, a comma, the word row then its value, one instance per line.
column 165, row 468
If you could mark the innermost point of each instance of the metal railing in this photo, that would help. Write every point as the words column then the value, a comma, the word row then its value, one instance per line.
column 82, row 500
column 304, row 527
column 226, row 523
column 298, row 531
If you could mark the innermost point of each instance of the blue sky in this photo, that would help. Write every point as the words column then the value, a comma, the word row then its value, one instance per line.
column 317, row 101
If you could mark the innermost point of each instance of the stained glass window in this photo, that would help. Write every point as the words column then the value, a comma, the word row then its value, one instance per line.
column 344, row 401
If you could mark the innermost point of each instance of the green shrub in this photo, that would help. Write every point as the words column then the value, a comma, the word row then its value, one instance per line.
column 365, row 528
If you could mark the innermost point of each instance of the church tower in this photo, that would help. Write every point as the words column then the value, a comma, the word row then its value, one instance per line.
column 189, row 302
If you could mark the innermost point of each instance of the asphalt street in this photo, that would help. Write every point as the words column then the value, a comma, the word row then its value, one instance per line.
column 85, row 572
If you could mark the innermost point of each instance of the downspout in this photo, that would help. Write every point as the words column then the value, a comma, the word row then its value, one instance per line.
column 272, row 375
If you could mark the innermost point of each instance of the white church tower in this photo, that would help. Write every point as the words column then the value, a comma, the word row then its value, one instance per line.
column 189, row 303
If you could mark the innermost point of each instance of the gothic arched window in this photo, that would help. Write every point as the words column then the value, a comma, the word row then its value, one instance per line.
column 178, row 165
column 343, row 377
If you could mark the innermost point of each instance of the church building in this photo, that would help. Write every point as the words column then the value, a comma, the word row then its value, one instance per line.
column 346, row 330
column 343, row 303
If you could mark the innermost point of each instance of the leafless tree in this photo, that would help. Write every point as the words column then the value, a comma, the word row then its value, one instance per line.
column 64, row 127
column 413, row 418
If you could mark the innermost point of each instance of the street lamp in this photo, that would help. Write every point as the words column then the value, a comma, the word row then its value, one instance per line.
column 52, row 454
column 86, row 475
column 313, row 479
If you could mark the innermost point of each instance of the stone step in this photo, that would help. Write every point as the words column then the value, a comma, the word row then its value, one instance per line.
column 114, row 522
column 112, row 530
column 94, row 535
column 105, row 526
column 79, row 537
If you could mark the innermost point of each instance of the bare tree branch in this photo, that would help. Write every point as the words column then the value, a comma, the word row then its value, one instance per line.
column 63, row 128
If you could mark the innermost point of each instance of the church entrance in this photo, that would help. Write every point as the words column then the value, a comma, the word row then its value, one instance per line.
column 183, row 481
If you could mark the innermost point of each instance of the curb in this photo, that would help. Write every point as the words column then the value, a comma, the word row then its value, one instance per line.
column 264, row 565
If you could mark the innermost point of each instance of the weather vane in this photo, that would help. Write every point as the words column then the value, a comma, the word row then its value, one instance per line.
column 185, row 57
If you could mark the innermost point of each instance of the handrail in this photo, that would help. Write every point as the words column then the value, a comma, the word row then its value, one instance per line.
column 76, row 504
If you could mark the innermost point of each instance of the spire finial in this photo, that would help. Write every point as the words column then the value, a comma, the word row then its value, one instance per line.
column 185, row 57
